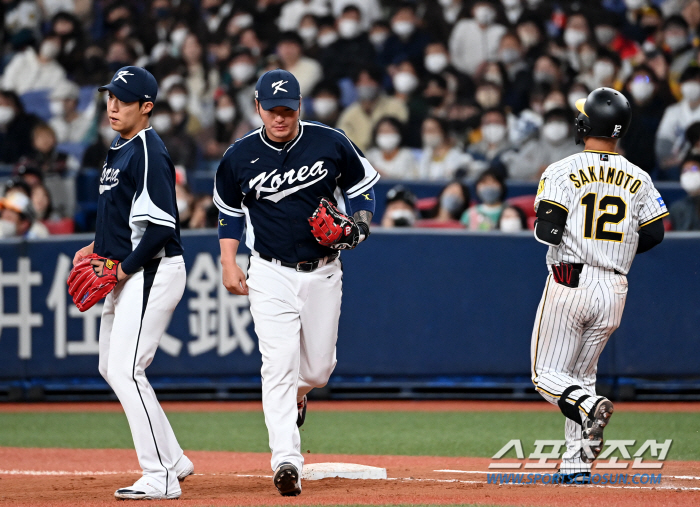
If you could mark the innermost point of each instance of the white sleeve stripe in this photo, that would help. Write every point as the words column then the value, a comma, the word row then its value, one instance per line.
column 222, row 205
column 229, row 213
column 367, row 186
column 149, row 218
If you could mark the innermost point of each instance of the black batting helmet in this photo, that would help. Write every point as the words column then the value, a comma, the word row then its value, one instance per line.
column 604, row 113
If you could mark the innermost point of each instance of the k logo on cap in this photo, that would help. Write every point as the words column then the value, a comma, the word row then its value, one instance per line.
column 278, row 88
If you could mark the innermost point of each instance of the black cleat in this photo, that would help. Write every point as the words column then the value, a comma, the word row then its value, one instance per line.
column 301, row 408
column 287, row 480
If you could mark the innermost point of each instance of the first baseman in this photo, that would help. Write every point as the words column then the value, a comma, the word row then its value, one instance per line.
column 137, row 224
column 596, row 211
column 270, row 183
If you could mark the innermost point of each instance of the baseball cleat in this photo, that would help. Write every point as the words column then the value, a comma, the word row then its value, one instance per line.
column 593, row 428
column 287, row 480
column 144, row 489
column 184, row 467
column 301, row 408
column 572, row 478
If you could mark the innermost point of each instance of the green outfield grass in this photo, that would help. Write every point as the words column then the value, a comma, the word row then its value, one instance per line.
column 479, row 434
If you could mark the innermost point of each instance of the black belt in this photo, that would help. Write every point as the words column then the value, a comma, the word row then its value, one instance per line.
column 304, row 266
column 579, row 266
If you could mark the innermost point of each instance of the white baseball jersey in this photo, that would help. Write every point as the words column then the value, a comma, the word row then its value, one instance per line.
column 608, row 199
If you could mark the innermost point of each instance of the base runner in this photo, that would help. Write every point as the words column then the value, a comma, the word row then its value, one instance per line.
column 270, row 183
column 596, row 211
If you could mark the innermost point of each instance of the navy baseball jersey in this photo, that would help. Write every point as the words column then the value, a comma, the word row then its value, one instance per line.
column 137, row 186
column 277, row 186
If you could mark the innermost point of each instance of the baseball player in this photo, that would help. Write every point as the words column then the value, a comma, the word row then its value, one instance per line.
column 595, row 210
column 269, row 182
column 137, row 224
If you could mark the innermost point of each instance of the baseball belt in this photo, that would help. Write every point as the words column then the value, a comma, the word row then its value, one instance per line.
column 304, row 266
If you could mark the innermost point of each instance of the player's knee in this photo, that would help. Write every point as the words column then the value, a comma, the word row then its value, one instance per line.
column 118, row 375
column 318, row 377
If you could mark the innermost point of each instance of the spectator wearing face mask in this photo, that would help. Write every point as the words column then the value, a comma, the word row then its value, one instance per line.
column 69, row 124
column 577, row 32
column 454, row 199
column 359, row 118
column 491, row 192
column 308, row 32
column 15, row 128
column 604, row 72
column 18, row 219
column 408, row 40
column 400, row 209
column 179, row 100
column 29, row 70
column 185, row 203
column 494, row 150
column 370, row 10
column 96, row 153
column 388, row 156
column 408, row 89
column 530, row 32
column 293, row 12
column 642, row 91
column 676, row 119
column 436, row 61
column 352, row 50
column 677, row 45
column 547, row 72
column 325, row 104
column 180, row 145
column 307, row 70
column 226, row 129
column 475, row 39
column 440, row 158
column 519, row 79
column 555, row 142
column 512, row 219
column 685, row 214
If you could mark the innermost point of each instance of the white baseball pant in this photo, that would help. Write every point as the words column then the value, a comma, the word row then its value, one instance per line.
column 135, row 316
column 571, row 330
column 296, row 320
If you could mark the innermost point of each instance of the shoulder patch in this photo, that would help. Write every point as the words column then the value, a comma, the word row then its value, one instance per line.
column 540, row 187
column 661, row 202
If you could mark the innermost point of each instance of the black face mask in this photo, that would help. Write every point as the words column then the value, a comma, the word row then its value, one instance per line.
column 402, row 222
column 433, row 100
column 162, row 13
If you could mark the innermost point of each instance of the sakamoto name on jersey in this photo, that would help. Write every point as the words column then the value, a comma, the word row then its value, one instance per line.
column 613, row 176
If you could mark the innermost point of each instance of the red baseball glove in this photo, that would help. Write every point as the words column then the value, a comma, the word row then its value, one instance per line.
column 332, row 228
column 86, row 286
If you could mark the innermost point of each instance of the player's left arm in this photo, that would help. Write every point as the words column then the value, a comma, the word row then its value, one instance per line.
column 652, row 209
column 552, row 207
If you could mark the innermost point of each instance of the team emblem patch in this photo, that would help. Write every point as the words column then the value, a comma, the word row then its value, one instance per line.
column 661, row 202
column 348, row 230
column 540, row 188
column 604, row 157
column 109, row 264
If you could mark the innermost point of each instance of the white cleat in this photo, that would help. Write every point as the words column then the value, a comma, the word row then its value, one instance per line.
column 145, row 489
column 184, row 467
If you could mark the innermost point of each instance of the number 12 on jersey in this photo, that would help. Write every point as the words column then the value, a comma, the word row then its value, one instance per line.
column 601, row 233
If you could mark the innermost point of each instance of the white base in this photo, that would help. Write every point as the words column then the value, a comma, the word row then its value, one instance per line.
column 316, row 471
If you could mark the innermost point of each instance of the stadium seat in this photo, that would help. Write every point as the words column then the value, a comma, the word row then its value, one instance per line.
column 61, row 226
column 525, row 203
column 74, row 149
column 37, row 102
column 439, row 224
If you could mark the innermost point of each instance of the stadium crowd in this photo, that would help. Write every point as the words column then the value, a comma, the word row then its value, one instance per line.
column 474, row 93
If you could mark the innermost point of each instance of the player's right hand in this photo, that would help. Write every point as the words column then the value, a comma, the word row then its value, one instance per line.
column 83, row 252
column 234, row 280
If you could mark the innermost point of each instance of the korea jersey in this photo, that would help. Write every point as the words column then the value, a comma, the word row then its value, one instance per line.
column 608, row 199
column 137, row 186
column 277, row 188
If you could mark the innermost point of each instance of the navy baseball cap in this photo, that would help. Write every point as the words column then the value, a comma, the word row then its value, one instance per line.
column 131, row 84
column 278, row 88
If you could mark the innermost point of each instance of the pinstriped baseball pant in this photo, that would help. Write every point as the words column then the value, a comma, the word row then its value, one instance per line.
column 570, row 332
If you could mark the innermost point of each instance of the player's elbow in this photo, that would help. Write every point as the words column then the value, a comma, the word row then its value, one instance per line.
column 548, row 232
column 650, row 235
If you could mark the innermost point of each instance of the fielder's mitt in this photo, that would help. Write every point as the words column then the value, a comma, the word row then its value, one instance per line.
column 332, row 228
column 86, row 286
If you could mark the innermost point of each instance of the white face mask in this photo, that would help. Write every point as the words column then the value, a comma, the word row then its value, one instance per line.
column 634, row 4
column 676, row 42
column 7, row 229
column 641, row 90
column 528, row 39
column 242, row 72
column 403, row 28
column 690, row 91
column 177, row 102
column 388, row 141
column 162, row 123
column 603, row 71
column 445, row 3
column 308, row 33
column 512, row 224
column 574, row 38
column 225, row 114
column 178, row 36
column 484, row 15
column 605, row 35
column 182, row 206
column 586, row 59
column 7, row 114
column 555, row 131
column 378, row 38
column 405, row 82
column 431, row 140
column 49, row 50
column 509, row 55
column 493, row 133
column 572, row 97
column 243, row 21
column 107, row 133
column 56, row 107
column 348, row 28
column 324, row 107
column 436, row 62
column 690, row 181
column 326, row 39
